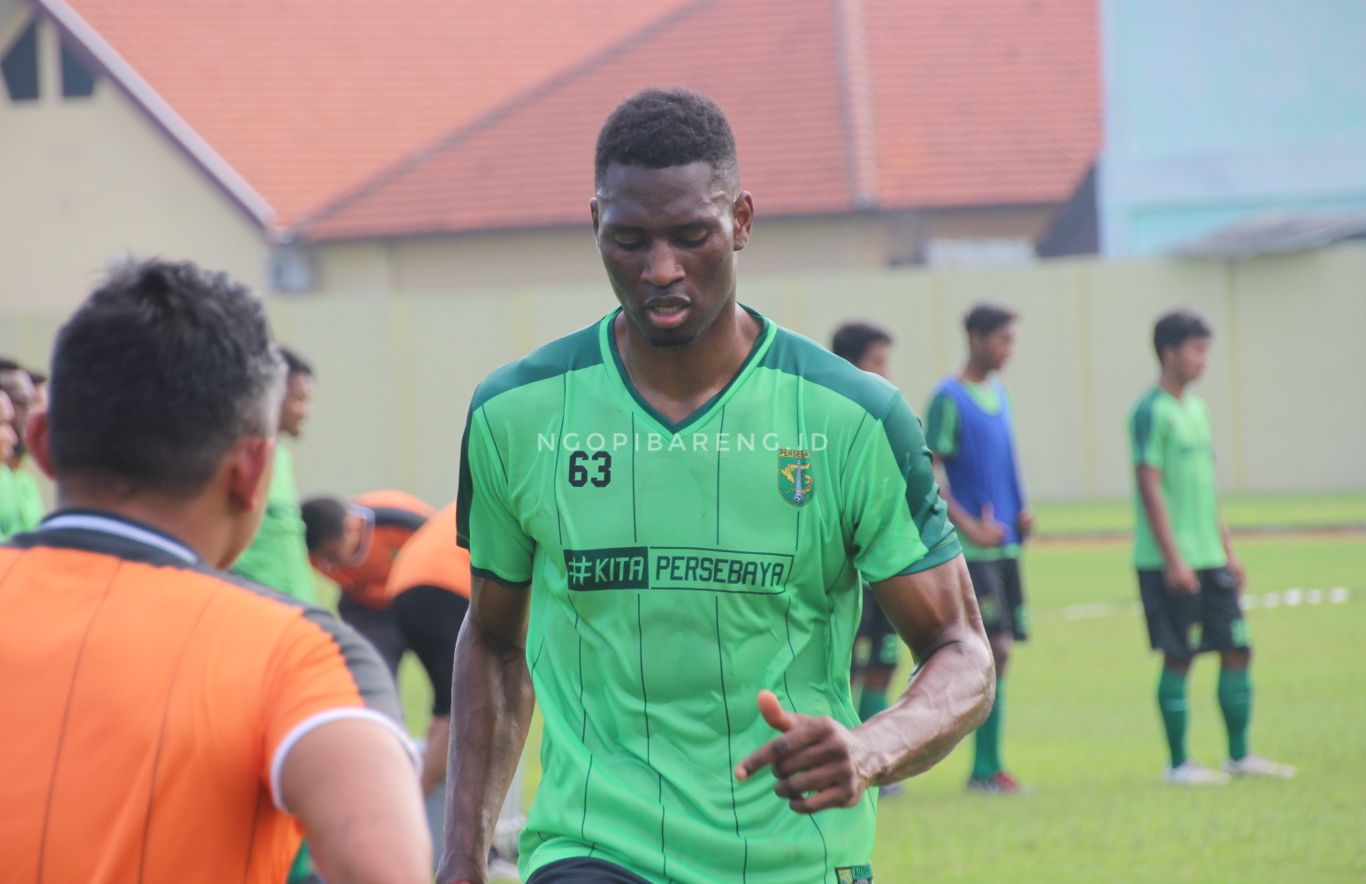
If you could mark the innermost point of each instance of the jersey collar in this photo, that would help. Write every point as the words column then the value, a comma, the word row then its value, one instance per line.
column 611, row 355
column 118, row 526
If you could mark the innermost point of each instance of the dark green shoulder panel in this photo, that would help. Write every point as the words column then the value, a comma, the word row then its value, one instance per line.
column 793, row 354
column 570, row 353
column 1141, row 427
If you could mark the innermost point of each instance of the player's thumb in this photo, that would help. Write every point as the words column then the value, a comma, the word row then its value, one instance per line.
column 773, row 713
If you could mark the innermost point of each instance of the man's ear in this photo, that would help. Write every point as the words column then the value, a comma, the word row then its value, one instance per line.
column 39, row 440
column 250, row 464
column 742, row 213
column 593, row 211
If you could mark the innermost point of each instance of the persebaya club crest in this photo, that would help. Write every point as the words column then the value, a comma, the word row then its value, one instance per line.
column 795, row 482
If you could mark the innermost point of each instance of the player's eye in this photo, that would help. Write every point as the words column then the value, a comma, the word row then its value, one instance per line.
column 692, row 237
column 627, row 241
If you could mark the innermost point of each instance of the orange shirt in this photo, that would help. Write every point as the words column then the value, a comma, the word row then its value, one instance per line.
column 398, row 516
column 149, row 705
column 433, row 558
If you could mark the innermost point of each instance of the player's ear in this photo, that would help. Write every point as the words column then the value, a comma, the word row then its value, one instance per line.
column 593, row 211
column 39, row 441
column 250, row 463
column 742, row 215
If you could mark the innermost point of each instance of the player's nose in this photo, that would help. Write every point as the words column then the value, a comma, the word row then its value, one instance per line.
column 662, row 268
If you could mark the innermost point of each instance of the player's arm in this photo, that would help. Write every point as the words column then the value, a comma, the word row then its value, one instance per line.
column 351, row 784
column 492, row 690
column 491, row 693
column 1234, row 563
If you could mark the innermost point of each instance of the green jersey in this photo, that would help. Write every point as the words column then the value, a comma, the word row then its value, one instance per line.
column 278, row 556
column 10, row 521
column 29, row 499
column 1173, row 436
column 675, row 570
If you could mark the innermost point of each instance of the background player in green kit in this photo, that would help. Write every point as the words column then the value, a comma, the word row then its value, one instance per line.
column 1188, row 575
column 971, row 431
column 667, row 514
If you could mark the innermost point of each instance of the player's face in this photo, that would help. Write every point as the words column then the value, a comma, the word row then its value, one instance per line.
column 668, row 239
column 294, row 411
column 994, row 350
column 1190, row 359
column 18, row 386
column 877, row 358
column 8, row 438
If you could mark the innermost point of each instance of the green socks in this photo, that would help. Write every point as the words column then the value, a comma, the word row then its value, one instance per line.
column 1235, row 701
column 1171, row 701
column 986, row 760
column 870, row 703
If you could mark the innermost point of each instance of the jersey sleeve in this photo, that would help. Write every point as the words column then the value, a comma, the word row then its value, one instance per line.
column 1147, row 434
column 485, row 522
column 941, row 425
column 322, row 671
column 899, row 522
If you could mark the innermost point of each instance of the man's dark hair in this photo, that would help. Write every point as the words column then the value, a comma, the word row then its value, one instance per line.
column 983, row 319
column 157, row 375
column 658, row 128
column 852, row 340
column 324, row 520
column 7, row 365
column 1176, row 327
column 295, row 364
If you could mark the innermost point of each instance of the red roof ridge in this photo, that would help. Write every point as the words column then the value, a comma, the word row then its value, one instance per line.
column 495, row 115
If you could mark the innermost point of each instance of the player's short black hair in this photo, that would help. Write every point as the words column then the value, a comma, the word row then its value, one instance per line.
column 324, row 520
column 1176, row 327
column 294, row 363
column 658, row 128
column 852, row 340
column 157, row 375
column 983, row 319
column 8, row 365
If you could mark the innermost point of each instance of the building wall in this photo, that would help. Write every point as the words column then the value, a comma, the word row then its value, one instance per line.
column 87, row 181
column 1222, row 109
column 395, row 374
column 566, row 256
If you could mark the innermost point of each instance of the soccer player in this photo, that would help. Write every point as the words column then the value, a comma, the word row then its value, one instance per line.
column 876, row 645
column 18, row 486
column 667, row 515
column 355, row 546
column 9, row 494
column 165, row 721
column 970, row 430
column 1188, row 575
column 278, row 556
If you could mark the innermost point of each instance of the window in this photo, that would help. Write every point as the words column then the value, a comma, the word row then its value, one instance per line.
column 77, row 80
column 20, row 66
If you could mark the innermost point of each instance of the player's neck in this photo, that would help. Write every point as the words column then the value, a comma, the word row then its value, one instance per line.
column 974, row 373
column 186, row 520
column 678, row 380
column 1173, row 384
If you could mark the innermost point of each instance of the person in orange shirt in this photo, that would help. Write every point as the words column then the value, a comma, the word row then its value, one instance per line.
column 167, row 722
column 354, row 545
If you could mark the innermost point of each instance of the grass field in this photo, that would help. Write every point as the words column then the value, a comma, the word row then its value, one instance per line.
column 1082, row 729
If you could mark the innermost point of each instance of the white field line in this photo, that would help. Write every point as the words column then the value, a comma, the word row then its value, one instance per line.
column 1288, row 598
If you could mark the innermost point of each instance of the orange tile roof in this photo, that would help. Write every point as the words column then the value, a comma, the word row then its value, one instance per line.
column 307, row 99
column 837, row 105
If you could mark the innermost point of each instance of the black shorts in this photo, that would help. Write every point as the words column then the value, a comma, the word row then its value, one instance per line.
column 582, row 870
column 377, row 627
column 876, row 646
column 1182, row 625
column 429, row 619
column 1000, row 596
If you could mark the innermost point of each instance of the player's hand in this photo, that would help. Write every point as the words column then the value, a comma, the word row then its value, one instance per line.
column 1180, row 578
column 816, row 760
column 1236, row 568
column 1024, row 523
column 985, row 530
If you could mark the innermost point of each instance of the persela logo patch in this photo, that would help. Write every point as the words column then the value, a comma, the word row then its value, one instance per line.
column 854, row 874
